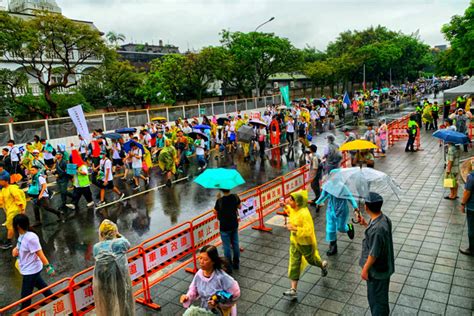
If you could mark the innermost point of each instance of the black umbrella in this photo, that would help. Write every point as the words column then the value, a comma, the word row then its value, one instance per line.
column 126, row 130
column 194, row 134
column 113, row 136
column 222, row 120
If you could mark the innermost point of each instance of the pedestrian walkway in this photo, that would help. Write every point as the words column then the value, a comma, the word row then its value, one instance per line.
column 431, row 276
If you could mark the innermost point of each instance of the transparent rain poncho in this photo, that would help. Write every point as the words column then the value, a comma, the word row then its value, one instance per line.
column 359, row 182
column 112, row 285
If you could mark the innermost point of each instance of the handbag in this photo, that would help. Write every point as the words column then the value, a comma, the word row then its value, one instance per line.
column 449, row 181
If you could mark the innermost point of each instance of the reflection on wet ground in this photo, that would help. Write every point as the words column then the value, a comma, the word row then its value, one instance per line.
column 69, row 246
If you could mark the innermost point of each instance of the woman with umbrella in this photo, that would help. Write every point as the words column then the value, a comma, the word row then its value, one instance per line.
column 337, row 212
column 167, row 161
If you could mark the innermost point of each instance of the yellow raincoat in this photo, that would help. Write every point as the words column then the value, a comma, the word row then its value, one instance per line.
column 303, row 243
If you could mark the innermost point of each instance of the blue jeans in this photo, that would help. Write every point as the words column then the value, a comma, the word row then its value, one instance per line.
column 230, row 240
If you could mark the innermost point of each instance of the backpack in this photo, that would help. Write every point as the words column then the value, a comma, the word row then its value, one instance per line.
column 461, row 125
column 335, row 156
column 34, row 188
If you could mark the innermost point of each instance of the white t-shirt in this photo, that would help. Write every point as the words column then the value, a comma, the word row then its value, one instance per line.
column 41, row 181
column 14, row 152
column 137, row 162
column 83, row 146
column 200, row 143
column 28, row 244
column 147, row 139
column 47, row 155
column 323, row 111
column 116, row 151
column 290, row 127
column 106, row 165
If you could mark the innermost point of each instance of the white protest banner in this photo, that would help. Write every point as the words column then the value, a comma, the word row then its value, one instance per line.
column 248, row 208
column 77, row 116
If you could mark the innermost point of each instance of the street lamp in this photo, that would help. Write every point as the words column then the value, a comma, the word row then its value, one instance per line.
column 257, row 89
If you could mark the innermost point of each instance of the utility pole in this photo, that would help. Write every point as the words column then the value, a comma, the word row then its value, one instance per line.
column 257, row 88
column 363, row 84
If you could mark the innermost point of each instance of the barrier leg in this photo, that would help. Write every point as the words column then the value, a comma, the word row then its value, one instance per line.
column 146, row 299
column 261, row 225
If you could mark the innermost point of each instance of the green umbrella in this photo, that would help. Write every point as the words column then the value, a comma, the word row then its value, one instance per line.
column 375, row 91
column 385, row 90
column 220, row 178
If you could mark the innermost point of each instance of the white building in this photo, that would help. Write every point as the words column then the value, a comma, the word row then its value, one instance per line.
column 26, row 9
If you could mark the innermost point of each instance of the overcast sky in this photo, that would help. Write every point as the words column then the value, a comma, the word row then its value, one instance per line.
column 197, row 23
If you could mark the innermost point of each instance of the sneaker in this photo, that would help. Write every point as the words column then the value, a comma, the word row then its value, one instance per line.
column 101, row 203
column 90, row 204
column 123, row 195
column 136, row 188
column 199, row 169
column 350, row 231
column 466, row 251
column 6, row 245
column 147, row 180
column 291, row 293
column 324, row 268
column 71, row 206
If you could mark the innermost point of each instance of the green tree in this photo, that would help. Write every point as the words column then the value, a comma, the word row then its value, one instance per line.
column 203, row 68
column 460, row 33
column 50, row 48
column 258, row 56
column 321, row 73
column 114, row 83
column 166, row 80
column 114, row 38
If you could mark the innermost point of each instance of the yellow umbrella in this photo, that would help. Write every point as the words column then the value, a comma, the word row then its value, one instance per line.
column 358, row 144
column 158, row 118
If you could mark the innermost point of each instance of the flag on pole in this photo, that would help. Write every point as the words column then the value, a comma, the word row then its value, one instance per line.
column 77, row 117
column 285, row 93
column 346, row 100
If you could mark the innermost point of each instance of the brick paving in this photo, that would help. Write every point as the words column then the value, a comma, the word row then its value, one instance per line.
column 431, row 278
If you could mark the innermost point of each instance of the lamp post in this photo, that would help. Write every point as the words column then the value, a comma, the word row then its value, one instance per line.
column 257, row 89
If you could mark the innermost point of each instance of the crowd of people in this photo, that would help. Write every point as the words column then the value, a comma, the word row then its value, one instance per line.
column 132, row 153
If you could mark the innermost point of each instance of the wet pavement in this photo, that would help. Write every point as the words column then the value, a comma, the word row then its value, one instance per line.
column 69, row 245
column 431, row 276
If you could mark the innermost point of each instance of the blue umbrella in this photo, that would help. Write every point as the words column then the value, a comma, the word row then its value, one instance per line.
column 128, row 145
column 126, row 130
column 201, row 126
column 220, row 178
column 449, row 136
column 113, row 136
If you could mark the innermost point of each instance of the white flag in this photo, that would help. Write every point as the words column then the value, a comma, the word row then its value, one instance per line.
column 77, row 116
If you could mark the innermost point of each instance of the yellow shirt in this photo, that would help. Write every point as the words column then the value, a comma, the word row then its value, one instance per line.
column 12, row 199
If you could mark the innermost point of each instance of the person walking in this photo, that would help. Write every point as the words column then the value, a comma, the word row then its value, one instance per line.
column 81, row 182
column 452, row 169
column 261, row 138
column 467, row 207
column 209, row 280
column 38, row 190
column 303, row 243
column 332, row 154
column 337, row 216
column 316, row 173
column 105, row 178
column 13, row 202
column 412, row 131
column 31, row 259
column 435, row 114
column 113, row 292
column 62, row 178
column 227, row 211
column 377, row 257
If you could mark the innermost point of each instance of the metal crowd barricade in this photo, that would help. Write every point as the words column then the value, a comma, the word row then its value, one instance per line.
column 58, row 303
column 159, row 257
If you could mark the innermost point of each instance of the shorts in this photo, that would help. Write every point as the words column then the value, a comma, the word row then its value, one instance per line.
column 9, row 218
column 117, row 162
column 137, row 172
column 49, row 162
column 109, row 186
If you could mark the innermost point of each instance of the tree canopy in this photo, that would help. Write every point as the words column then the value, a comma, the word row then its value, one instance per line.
column 50, row 48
